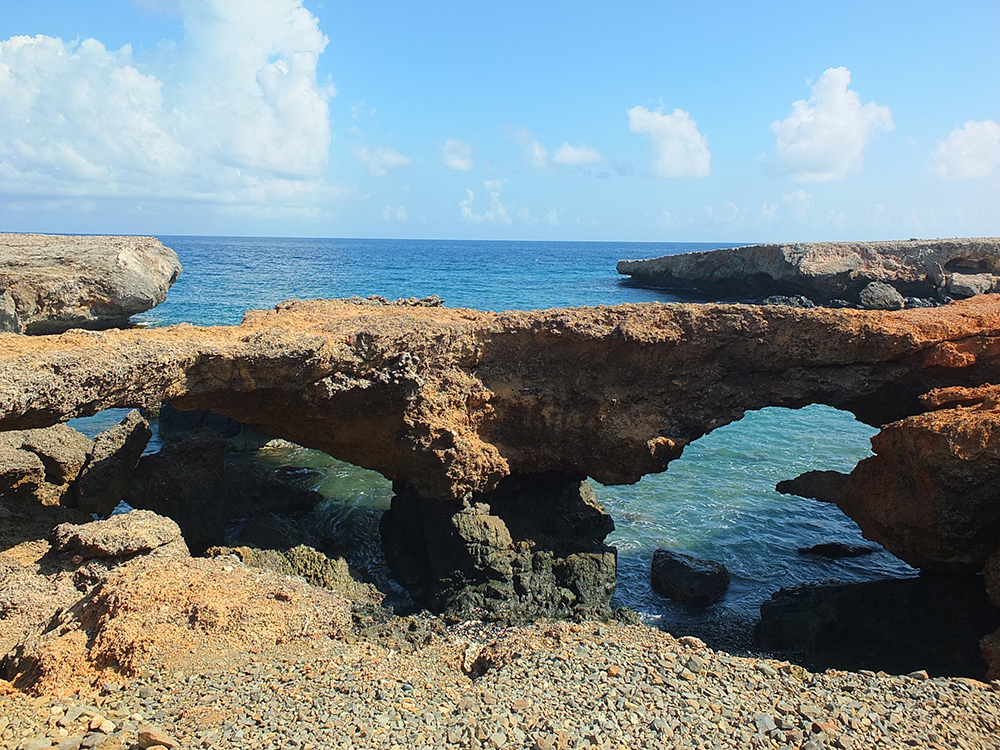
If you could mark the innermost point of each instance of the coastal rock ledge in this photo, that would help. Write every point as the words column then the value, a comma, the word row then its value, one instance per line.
column 458, row 407
column 828, row 271
column 51, row 283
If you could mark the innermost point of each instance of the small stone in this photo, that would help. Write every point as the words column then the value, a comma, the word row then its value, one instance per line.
column 150, row 736
column 766, row 669
column 765, row 723
column 920, row 674
column 614, row 670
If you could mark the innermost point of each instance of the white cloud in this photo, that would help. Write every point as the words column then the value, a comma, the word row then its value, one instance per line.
column 495, row 212
column 394, row 214
column 769, row 212
column 553, row 217
column 232, row 114
column 534, row 152
column 799, row 201
column 576, row 155
column 969, row 152
column 824, row 138
column 458, row 155
column 681, row 150
column 378, row 161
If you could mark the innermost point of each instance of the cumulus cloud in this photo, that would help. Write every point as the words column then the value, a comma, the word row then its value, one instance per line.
column 576, row 155
column 458, row 155
column 495, row 211
column 969, row 152
column 681, row 151
column 234, row 113
column 799, row 201
column 378, row 161
column 824, row 138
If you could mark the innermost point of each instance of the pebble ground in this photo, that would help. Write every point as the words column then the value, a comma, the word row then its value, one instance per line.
column 551, row 685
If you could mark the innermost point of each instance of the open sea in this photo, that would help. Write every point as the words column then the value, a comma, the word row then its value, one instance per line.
column 716, row 501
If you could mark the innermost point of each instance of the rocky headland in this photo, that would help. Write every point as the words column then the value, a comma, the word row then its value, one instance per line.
column 51, row 283
column 489, row 425
column 873, row 275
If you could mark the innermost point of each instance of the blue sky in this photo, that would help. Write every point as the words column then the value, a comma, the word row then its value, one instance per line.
column 648, row 121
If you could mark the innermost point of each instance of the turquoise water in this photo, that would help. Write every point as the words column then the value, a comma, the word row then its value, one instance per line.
column 717, row 500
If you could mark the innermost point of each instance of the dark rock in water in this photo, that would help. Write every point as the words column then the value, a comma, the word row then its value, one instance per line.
column 175, row 424
column 533, row 547
column 815, row 485
column 836, row 550
column 915, row 303
column 194, row 482
column 881, row 296
column 688, row 579
column 933, row 622
column 797, row 300
column 113, row 459
column 838, row 304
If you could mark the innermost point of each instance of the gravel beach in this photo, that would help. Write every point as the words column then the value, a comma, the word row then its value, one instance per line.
column 416, row 683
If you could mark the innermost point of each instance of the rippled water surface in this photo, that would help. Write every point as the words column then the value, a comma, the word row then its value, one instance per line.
column 717, row 500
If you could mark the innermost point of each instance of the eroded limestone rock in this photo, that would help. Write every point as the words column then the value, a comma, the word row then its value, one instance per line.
column 826, row 270
column 51, row 283
column 113, row 458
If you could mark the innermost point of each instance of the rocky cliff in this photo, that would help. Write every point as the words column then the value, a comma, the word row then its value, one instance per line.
column 51, row 283
column 824, row 271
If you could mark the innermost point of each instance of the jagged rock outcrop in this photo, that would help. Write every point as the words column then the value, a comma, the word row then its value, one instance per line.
column 112, row 460
column 450, row 402
column 929, row 493
column 533, row 547
column 824, row 271
column 51, row 283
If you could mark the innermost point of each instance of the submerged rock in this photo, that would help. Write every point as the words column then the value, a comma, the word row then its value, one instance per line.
column 835, row 550
column 688, row 579
column 53, row 283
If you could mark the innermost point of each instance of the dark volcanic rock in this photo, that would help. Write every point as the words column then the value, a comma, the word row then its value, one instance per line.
column 533, row 547
column 835, row 550
column 688, row 579
column 53, row 283
column 175, row 424
column 899, row 626
column 194, row 482
column 881, row 296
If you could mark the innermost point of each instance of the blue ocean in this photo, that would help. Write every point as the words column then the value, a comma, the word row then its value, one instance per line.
column 716, row 501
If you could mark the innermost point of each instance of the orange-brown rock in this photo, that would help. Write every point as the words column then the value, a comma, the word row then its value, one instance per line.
column 451, row 401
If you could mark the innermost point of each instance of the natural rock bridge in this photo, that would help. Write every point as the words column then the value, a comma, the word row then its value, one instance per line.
column 489, row 422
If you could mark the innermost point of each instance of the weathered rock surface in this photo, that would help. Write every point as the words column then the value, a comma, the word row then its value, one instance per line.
column 449, row 402
column 51, row 283
column 119, row 536
column 928, row 494
column 42, row 463
column 193, row 482
column 688, row 579
column 533, row 547
column 113, row 458
column 878, row 295
column 174, row 424
column 828, row 270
